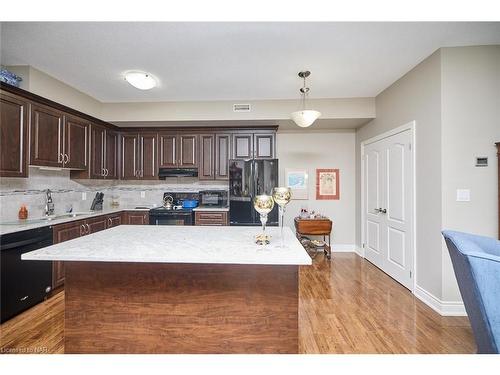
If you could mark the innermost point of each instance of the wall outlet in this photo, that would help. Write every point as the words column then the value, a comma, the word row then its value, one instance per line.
column 84, row 196
column 463, row 195
column 143, row 194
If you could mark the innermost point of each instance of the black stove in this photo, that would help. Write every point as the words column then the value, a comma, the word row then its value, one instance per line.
column 175, row 214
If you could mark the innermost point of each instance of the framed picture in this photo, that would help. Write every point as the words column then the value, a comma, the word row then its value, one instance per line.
column 327, row 184
column 296, row 180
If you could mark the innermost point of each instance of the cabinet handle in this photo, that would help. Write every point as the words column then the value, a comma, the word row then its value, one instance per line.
column 66, row 156
column 82, row 229
column 110, row 222
column 60, row 158
column 102, row 173
column 88, row 228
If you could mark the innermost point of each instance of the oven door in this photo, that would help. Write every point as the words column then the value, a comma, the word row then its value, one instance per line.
column 171, row 218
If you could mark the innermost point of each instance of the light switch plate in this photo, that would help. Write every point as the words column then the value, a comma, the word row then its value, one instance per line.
column 84, row 196
column 463, row 195
column 143, row 194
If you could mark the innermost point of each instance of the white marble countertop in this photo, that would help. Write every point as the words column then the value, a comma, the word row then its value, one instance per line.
column 178, row 244
column 18, row 226
column 212, row 209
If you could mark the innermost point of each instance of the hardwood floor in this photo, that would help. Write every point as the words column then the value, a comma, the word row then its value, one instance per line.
column 345, row 306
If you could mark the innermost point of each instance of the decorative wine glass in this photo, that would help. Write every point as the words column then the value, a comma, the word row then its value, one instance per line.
column 282, row 196
column 263, row 204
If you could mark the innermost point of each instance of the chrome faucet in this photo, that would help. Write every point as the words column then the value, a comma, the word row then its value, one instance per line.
column 49, row 205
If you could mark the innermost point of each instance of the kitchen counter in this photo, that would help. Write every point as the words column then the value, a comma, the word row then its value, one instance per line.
column 19, row 225
column 212, row 209
column 177, row 244
column 179, row 289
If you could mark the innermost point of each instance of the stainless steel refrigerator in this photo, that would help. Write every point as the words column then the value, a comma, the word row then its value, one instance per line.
column 248, row 178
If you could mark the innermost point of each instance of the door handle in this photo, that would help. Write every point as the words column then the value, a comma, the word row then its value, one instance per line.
column 23, row 298
column 383, row 210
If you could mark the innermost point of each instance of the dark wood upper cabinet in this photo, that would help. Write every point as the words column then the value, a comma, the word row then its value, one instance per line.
column 188, row 150
column 168, row 150
column 206, row 169
column 222, row 156
column 111, row 154
column 139, row 156
column 129, row 168
column 264, row 145
column 178, row 150
column 258, row 145
column 148, row 156
column 96, row 168
column 242, row 146
column 75, row 143
column 13, row 136
column 46, row 136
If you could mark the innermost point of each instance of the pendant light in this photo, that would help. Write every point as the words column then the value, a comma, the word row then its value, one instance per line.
column 305, row 117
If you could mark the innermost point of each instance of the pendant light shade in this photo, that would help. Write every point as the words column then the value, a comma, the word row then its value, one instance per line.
column 305, row 118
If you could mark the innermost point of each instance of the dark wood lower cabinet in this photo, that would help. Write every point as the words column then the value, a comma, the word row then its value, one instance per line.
column 114, row 220
column 62, row 233
column 217, row 218
column 136, row 218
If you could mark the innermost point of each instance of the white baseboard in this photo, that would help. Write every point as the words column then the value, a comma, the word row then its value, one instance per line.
column 444, row 308
column 343, row 248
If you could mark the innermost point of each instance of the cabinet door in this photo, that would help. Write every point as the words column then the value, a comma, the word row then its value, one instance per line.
column 61, row 233
column 75, row 143
column 111, row 155
column 222, row 156
column 96, row 152
column 215, row 218
column 96, row 224
column 136, row 218
column 129, row 163
column 188, row 150
column 148, row 157
column 264, row 146
column 113, row 220
column 206, row 170
column 168, row 149
column 242, row 146
column 46, row 136
column 13, row 136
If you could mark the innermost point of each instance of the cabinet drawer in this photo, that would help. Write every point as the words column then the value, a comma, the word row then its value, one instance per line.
column 210, row 218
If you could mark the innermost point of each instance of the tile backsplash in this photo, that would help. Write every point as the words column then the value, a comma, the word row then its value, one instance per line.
column 67, row 193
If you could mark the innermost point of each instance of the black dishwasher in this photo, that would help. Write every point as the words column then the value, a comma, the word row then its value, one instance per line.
column 24, row 283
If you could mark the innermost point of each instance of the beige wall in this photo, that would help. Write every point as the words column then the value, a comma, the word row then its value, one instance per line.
column 470, row 127
column 323, row 150
column 47, row 86
column 415, row 97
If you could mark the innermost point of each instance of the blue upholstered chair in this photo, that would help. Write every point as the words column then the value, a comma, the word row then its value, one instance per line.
column 476, row 261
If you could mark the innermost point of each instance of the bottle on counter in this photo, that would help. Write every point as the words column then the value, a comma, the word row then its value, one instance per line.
column 23, row 212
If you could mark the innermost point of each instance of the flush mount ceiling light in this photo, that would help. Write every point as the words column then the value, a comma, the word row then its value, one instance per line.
column 305, row 117
column 140, row 80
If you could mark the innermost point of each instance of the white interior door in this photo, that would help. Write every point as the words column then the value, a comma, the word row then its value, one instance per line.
column 388, row 216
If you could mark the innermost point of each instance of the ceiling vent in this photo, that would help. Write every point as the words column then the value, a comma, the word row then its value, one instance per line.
column 241, row 107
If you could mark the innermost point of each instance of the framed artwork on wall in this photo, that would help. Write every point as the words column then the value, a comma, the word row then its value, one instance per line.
column 327, row 184
column 296, row 180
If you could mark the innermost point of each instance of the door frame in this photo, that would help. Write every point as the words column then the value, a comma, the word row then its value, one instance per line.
column 408, row 126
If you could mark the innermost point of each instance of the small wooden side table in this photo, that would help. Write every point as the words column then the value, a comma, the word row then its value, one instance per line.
column 315, row 227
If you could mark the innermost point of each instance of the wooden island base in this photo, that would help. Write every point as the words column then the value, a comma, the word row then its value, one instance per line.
column 180, row 308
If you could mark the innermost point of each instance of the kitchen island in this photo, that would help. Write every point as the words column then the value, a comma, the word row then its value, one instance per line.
column 179, row 289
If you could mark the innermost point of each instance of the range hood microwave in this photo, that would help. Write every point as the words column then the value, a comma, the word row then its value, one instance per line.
column 177, row 172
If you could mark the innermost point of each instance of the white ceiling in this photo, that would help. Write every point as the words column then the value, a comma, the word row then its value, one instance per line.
column 232, row 61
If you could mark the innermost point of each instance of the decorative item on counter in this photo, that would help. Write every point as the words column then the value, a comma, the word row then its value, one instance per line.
column 303, row 213
column 115, row 201
column 282, row 196
column 263, row 204
column 23, row 212
column 9, row 77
